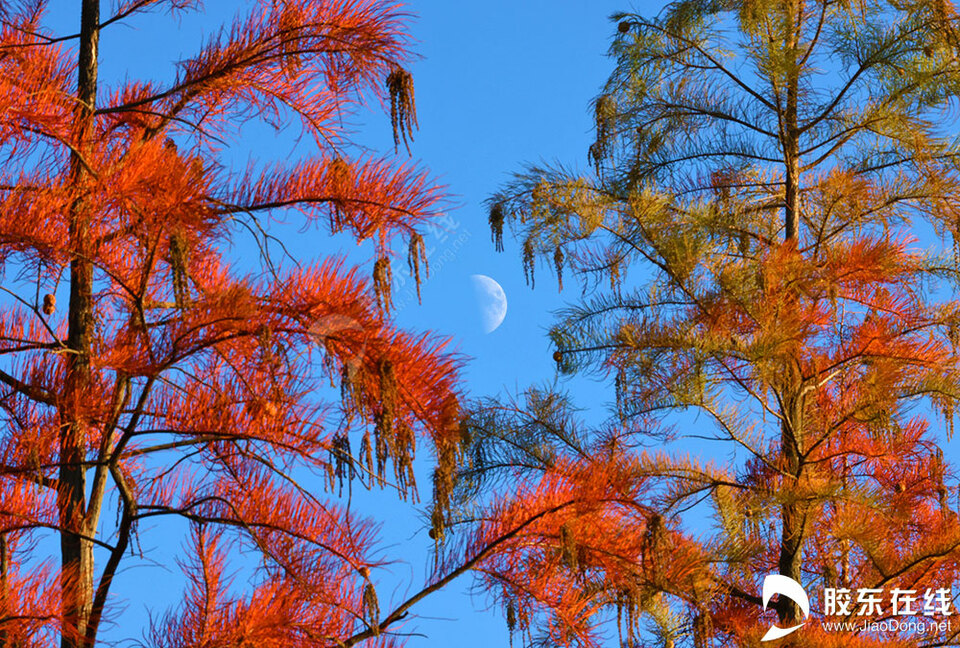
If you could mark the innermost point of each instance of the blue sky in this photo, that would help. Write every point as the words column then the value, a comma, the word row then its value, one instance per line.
column 498, row 83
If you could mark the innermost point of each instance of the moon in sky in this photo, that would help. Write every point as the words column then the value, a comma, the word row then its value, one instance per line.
column 492, row 301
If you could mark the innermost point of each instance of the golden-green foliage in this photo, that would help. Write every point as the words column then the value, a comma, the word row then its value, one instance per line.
column 774, row 207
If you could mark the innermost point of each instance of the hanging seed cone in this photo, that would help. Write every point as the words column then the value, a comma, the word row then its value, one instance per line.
column 384, row 419
column 558, row 258
column 382, row 282
column 605, row 115
column 366, row 451
column 339, row 183
column 371, row 608
column 444, row 476
column 437, row 525
column 403, row 107
column 416, row 255
column 496, row 220
column 615, row 275
column 529, row 259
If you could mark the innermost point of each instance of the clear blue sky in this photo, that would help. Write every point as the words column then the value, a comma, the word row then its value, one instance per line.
column 499, row 83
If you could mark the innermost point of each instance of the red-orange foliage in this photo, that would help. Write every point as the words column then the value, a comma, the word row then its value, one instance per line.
column 589, row 529
column 142, row 370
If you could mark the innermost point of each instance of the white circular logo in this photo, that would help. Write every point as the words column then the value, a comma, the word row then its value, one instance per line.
column 784, row 586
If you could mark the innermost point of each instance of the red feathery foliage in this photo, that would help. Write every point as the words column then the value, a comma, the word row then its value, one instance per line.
column 142, row 369
column 589, row 530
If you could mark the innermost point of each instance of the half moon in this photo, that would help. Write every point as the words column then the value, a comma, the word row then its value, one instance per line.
column 492, row 301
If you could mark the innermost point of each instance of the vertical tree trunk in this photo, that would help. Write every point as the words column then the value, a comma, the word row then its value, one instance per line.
column 76, row 553
column 793, row 513
column 791, row 131
column 4, row 591
column 791, row 157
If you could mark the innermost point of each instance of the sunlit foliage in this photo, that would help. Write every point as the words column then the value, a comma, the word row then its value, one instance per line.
column 766, row 243
column 145, row 371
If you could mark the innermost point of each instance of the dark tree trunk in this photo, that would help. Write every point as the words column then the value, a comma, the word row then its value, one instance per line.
column 793, row 513
column 76, row 553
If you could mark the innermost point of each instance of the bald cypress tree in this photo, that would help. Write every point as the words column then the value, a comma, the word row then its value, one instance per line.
column 766, row 240
column 179, row 397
